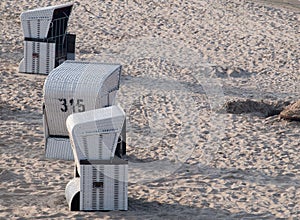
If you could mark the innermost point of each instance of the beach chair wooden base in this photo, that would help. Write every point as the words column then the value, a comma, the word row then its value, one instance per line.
column 101, row 186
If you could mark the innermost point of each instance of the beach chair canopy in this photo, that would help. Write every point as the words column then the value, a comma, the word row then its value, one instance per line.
column 47, row 22
column 94, row 134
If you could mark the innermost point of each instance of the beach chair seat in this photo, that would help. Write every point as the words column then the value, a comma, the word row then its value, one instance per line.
column 101, row 179
column 46, row 41
column 74, row 87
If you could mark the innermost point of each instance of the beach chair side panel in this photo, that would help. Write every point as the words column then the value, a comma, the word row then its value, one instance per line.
column 38, row 57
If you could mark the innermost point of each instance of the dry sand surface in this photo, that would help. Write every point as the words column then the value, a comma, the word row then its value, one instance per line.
column 202, row 85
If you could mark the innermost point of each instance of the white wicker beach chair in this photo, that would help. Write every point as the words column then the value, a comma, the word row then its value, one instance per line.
column 102, row 182
column 46, row 42
column 75, row 87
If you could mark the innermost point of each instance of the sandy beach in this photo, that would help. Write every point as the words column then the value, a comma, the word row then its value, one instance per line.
column 203, row 83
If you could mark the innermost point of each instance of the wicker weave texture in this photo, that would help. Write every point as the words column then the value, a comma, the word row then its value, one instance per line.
column 59, row 148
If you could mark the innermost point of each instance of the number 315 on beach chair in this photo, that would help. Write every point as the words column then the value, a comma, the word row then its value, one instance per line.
column 76, row 87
